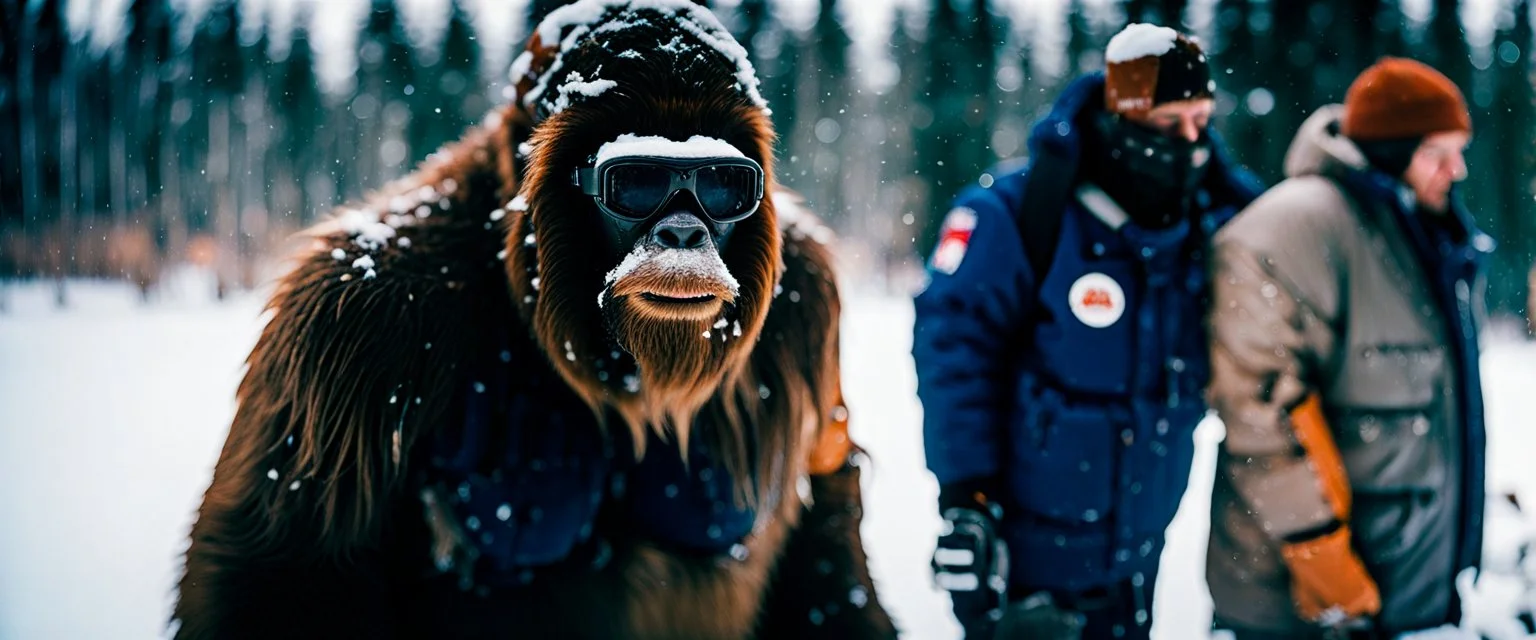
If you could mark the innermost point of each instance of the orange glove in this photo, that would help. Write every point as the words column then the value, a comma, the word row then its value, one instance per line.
column 1328, row 582
column 1312, row 433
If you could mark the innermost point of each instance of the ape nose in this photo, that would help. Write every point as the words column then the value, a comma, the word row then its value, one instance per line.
column 679, row 231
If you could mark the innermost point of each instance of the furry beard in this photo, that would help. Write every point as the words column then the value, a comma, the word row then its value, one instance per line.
column 675, row 313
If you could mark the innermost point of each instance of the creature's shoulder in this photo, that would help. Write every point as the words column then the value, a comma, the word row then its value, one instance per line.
column 807, row 292
column 800, row 332
column 435, row 237
column 366, row 334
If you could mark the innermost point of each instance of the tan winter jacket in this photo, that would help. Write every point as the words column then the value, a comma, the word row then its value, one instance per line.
column 1313, row 295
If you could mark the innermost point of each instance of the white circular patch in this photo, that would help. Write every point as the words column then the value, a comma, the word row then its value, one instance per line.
column 1097, row 300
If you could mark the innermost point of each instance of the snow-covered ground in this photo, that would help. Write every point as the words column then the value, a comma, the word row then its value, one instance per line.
column 112, row 413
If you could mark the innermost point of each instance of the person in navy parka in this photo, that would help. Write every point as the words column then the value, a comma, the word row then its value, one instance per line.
column 1060, row 350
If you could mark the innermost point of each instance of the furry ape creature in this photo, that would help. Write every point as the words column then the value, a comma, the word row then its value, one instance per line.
column 485, row 407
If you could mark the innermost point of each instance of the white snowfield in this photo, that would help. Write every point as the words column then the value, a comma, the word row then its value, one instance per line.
column 112, row 414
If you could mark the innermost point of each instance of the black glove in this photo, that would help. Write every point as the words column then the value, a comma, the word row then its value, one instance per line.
column 971, row 560
column 1038, row 618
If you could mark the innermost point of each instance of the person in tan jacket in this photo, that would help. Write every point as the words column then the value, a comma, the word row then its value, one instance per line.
column 1349, row 488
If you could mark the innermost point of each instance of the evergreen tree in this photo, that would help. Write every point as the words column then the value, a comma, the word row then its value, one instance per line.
column 219, row 70
column 10, row 116
column 44, row 40
column 1390, row 37
column 537, row 9
column 825, row 97
column 94, row 85
column 251, row 215
column 382, row 102
column 1290, row 71
column 955, row 71
column 989, row 39
column 297, row 104
column 1168, row 13
column 1514, row 163
column 1452, row 55
column 1020, row 91
column 899, row 156
column 778, row 63
column 140, row 114
column 1242, row 54
column 449, row 94
column 745, row 20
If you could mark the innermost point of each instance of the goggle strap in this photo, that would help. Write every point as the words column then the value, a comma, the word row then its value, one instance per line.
column 587, row 179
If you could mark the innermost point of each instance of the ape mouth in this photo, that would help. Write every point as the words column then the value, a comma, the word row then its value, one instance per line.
column 679, row 305
column 657, row 298
column 674, row 284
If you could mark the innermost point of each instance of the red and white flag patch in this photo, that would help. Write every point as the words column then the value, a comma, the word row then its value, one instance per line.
column 954, row 239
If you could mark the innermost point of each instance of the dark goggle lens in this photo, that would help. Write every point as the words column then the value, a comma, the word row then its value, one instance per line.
column 726, row 191
column 637, row 190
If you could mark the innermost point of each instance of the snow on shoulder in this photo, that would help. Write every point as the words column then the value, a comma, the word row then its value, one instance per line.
column 629, row 145
column 796, row 221
column 1140, row 40
column 586, row 19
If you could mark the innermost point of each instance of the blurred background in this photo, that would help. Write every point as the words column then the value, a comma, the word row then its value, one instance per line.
column 157, row 155
column 136, row 135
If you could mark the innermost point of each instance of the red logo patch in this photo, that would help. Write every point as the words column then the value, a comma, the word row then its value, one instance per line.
column 1098, row 298
column 954, row 239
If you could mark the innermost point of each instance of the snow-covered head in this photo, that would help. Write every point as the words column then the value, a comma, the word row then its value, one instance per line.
column 654, row 315
column 547, row 81
column 1147, row 66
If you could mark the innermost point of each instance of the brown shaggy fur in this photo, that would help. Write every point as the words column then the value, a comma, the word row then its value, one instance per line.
column 359, row 363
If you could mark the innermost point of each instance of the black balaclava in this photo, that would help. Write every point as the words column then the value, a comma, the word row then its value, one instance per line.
column 1152, row 176
column 1392, row 156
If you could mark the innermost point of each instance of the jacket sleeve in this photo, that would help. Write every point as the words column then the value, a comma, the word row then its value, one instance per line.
column 1275, row 302
column 963, row 343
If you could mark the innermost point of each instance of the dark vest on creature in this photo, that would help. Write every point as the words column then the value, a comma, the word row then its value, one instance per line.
column 535, row 483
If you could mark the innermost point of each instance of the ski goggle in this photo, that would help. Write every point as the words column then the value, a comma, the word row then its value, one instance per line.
column 634, row 188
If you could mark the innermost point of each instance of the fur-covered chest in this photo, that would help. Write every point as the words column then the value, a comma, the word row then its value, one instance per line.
column 530, row 481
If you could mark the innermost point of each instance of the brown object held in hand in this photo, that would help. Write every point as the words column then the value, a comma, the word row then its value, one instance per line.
column 1312, row 432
